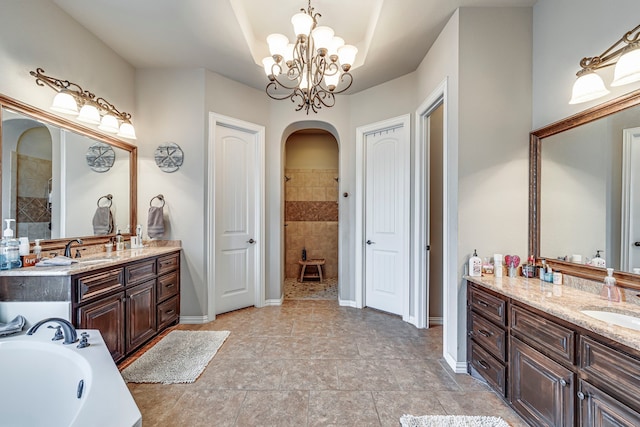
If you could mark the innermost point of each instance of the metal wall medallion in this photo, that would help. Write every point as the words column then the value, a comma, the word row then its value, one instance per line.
column 100, row 157
column 169, row 157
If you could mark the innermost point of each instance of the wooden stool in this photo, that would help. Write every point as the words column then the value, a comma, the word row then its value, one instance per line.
column 317, row 263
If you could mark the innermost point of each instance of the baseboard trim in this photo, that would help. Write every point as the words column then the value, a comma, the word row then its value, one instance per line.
column 458, row 367
column 274, row 302
column 436, row 321
column 194, row 320
column 347, row 303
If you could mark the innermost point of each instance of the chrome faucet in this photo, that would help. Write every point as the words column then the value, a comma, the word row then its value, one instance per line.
column 67, row 247
column 70, row 334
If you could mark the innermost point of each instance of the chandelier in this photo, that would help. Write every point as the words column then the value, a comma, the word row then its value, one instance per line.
column 309, row 71
column 626, row 58
column 73, row 100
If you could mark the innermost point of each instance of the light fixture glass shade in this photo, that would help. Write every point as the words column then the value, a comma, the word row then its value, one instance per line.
column 89, row 113
column 587, row 87
column 322, row 37
column 302, row 24
column 65, row 103
column 336, row 43
column 277, row 44
column 347, row 54
column 127, row 131
column 109, row 123
column 627, row 68
column 332, row 81
column 267, row 64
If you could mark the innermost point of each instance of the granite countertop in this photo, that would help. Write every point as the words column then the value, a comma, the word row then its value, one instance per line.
column 566, row 303
column 92, row 262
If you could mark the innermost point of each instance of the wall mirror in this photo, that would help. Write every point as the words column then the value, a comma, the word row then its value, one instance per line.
column 584, row 194
column 56, row 173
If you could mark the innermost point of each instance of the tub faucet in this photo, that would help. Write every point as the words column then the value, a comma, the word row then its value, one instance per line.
column 70, row 334
column 67, row 247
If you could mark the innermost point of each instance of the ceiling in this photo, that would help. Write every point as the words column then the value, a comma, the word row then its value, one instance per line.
column 228, row 36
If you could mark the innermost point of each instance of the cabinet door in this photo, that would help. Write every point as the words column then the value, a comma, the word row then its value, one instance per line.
column 542, row 391
column 141, row 314
column 106, row 315
column 598, row 409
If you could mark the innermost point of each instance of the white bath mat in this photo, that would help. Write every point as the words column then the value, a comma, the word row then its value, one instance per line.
column 451, row 421
column 180, row 357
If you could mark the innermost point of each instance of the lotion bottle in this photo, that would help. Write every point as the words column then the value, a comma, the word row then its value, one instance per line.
column 475, row 265
column 497, row 265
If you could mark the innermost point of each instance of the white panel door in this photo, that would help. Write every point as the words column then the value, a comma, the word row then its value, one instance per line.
column 235, row 218
column 630, row 201
column 386, row 219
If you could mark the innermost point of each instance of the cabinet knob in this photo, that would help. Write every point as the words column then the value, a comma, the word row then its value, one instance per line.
column 581, row 395
column 563, row 382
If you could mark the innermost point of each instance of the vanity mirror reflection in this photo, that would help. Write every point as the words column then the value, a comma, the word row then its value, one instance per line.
column 55, row 174
column 584, row 194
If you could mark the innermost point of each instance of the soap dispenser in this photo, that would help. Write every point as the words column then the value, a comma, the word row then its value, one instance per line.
column 37, row 249
column 475, row 265
column 9, row 249
column 609, row 290
column 598, row 261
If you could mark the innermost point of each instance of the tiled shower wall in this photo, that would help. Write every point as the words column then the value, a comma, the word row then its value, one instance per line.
column 32, row 214
column 311, row 215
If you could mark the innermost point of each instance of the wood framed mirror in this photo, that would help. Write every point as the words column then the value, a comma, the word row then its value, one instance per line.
column 51, row 183
column 578, row 200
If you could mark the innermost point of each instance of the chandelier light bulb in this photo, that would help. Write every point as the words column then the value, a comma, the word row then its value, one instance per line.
column 347, row 55
column 332, row 81
column 302, row 24
column 587, row 87
column 109, row 123
column 65, row 103
column 627, row 68
column 322, row 38
column 267, row 64
column 89, row 113
column 127, row 130
column 336, row 43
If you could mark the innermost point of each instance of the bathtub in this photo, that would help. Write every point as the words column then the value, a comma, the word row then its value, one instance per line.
column 47, row 383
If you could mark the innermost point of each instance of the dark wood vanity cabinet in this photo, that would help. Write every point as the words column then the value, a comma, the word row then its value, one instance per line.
column 129, row 304
column 554, row 373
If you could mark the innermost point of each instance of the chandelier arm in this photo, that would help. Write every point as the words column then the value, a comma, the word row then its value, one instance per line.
column 111, row 109
column 55, row 83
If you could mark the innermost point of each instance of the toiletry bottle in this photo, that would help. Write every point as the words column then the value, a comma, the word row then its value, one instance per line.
column 139, row 235
column 304, row 254
column 598, row 261
column 475, row 265
column 497, row 265
column 9, row 248
column 487, row 267
column 119, row 241
column 609, row 290
column 37, row 250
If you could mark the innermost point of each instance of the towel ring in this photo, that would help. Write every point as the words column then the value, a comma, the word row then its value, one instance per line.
column 159, row 197
column 109, row 198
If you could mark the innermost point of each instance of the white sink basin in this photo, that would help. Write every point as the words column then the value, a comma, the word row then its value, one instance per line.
column 618, row 319
column 94, row 260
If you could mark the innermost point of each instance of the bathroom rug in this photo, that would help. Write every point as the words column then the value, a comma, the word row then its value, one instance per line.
column 179, row 357
column 451, row 421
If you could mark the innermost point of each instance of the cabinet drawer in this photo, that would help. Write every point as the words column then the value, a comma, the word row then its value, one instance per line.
column 490, row 306
column 596, row 405
column 93, row 285
column 168, row 312
column 140, row 272
column 490, row 368
column 168, row 263
column 490, row 336
column 615, row 372
column 168, row 286
column 543, row 334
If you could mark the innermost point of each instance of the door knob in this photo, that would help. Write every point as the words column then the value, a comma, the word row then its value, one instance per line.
column 251, row 241
column 636, row 243
column 369, row 242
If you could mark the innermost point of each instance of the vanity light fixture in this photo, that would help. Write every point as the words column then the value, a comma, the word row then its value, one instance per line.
column 309, row 71
column 625, row 57
column 95, row 111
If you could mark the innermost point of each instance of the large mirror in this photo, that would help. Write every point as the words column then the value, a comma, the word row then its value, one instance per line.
column 61, row 180
column 585, row 191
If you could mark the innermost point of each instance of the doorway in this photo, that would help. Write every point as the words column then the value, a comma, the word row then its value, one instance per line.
column 311, row 182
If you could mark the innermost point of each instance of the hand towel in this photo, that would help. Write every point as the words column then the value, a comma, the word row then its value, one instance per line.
column 155, row 222
column 12, row 327
column 58, row 260
column 102, row 221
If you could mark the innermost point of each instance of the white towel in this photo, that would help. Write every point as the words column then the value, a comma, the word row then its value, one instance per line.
column 102, row 221
column 12, row 327
column 58, row 260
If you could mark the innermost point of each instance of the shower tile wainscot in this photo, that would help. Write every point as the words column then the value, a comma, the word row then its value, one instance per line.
column 130, row 296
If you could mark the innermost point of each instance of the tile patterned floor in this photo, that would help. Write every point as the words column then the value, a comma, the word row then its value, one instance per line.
column 314, row 363
column 295, row 290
